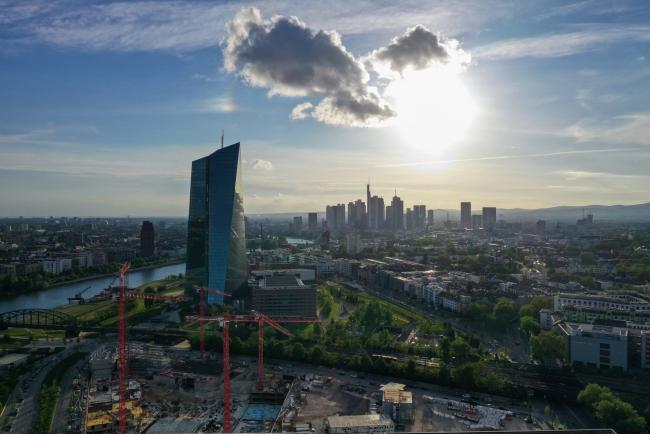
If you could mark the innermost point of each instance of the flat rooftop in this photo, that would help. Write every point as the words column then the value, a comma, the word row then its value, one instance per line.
column 282, row 281
column 358, row 420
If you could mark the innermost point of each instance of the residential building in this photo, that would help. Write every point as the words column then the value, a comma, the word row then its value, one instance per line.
column 489, row 218
column 312, row 221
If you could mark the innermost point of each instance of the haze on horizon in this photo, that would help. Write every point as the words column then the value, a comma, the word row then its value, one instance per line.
column 502, row 103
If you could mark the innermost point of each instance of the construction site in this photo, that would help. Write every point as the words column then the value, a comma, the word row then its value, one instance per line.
column 137, row 387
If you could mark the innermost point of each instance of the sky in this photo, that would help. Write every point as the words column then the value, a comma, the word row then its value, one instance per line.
column 513, row 104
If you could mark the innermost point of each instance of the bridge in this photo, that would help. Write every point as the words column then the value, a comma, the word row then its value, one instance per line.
column 48, row 319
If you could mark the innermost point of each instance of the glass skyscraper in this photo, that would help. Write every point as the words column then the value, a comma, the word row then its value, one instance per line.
column 216, row 242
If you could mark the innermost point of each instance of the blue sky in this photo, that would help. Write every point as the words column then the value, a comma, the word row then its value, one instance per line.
column 103, row 106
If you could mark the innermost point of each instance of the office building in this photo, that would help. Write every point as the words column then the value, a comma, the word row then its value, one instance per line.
column 312, row 221
column 216, row 242
column 376, row 213
column 357, row 216
column 645, row 349
column 430, row 218
column 397, row 213
column 419, row 216
column 284, row 295
column 596, row 345
column 466, row 215
column 489, row 218
column 409, row 219
column 297, row 224
column 147, row 239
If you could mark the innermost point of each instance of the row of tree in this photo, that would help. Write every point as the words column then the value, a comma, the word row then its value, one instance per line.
column 611, row 410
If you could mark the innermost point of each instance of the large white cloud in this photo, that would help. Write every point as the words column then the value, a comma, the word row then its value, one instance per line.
column 286, row 57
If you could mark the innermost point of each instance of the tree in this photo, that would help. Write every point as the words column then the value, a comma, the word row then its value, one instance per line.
column 546, row 347
column 529, row 325
column 460, row 349
column 612, row 410
column 298, row 351
column 504, row 312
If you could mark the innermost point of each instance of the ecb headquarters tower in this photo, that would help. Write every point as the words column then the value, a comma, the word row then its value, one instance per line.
column 216, row 243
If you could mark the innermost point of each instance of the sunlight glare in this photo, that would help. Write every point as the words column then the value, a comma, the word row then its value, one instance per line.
column 434, row 109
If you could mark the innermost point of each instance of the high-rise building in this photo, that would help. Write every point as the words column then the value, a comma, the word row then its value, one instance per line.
column 477, row 221
column 466, row 215
column 297, row 224
column 216, row 242
column 419, row 216
column 409, row 219
column 312, row 221
column 353, row 244
column 370, row 208
column 335, row 217
column 489, row 217
column 389, row 217
column 397, row 209
column 430, row 218
column 147, row 239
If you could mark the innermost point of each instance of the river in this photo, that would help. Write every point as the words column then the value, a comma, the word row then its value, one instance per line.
column 58, row 295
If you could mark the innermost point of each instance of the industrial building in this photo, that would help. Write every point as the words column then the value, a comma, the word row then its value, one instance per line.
column 284, row 295
column 397, row 403
column 360, row 424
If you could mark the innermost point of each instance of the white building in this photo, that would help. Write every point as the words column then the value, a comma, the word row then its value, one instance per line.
column 57, row 265
column 620, row 301
column 545, row 319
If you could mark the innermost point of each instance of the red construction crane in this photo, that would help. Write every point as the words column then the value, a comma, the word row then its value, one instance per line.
column 122, row 357
column 121, row 348
column 256, row 317
column 202, row 290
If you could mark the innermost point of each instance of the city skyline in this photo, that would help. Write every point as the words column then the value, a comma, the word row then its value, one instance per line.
column 546, row 101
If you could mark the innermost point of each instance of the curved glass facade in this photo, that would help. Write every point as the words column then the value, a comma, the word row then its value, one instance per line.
column 216, row 244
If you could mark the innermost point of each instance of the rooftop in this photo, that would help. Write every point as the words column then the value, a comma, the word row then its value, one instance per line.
column 358, row 420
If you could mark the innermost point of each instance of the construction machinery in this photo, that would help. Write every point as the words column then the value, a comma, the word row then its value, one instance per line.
column 79, row 296
column 122, row 356
column 261, row 320
column 202, row 290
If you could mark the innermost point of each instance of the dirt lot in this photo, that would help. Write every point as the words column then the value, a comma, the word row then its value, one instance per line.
column 330, row 400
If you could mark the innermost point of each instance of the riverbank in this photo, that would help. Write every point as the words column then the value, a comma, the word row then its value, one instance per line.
column 99, row 276
column 7, row 296
column 58, row 295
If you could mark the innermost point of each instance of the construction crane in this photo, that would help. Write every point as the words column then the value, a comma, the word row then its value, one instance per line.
column 202, row 290
column 122, row 357
column 78, row 296
column 261, row 320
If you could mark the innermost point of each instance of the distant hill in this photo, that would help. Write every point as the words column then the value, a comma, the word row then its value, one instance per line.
column 570, row 214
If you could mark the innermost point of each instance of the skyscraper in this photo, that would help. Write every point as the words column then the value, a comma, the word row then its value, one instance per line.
column 216, row 242
column 147, row 239
column 297, row 224
column 397, row 209
column 312, row 221
column 419, row 216
column 335, row 217
column 430, row 218
column 466, row 215
column 489, row 217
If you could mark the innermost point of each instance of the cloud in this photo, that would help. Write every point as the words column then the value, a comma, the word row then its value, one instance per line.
column 417, row 49
column 302, row 111
column 588, row 38
column 260, row 164
column 633, row 128
column 286, row 57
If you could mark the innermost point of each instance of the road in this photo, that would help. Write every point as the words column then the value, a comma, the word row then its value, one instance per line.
column 60, row 422
column 28, row 410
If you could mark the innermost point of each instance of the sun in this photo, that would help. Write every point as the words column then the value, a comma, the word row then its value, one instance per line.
column 434, row 109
